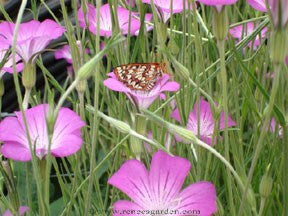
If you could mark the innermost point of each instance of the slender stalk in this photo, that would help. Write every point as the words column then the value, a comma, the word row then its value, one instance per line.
column 285, row 168
column 263, row 133
column 26, row 98
column 19, row 98
column 93, row 172
column 262, row 205
column 95, row 122
column 221, row 48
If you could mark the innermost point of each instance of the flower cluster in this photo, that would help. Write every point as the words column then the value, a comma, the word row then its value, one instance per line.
column 160, row 188
column 66, row 138
column 105, row 24
column 206, row 121
column 33, row 37
column 38, row 131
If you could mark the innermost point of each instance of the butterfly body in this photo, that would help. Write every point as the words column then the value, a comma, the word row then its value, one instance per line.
column 140, row 76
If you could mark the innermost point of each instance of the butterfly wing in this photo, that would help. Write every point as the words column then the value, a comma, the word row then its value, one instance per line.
column 141, row 76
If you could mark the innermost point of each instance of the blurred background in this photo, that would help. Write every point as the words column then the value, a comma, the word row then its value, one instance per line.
column 56, row 67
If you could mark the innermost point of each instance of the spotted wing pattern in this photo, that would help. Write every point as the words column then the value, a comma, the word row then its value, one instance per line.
column 142, row 76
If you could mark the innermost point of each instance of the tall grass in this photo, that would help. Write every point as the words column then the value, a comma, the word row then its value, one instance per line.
column 77, row 185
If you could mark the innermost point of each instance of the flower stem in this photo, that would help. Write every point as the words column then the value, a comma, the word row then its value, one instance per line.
column 262, row 205
column 259, row 145
column 26, row 98
column 136, row 144
column 221, row 48
column 285, row 168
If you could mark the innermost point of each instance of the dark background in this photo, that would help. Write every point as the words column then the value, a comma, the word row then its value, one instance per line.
column 56, row 67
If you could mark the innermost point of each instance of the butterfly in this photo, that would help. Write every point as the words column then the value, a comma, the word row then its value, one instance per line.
column 140, row 76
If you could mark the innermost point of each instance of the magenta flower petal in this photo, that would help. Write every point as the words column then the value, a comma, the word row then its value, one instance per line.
column 274, row 4
column 218, row 3
column 206, row 121
column 22, row 211
column 33, row 37
column 177, row 6
column 115, row 85
column 159, row 190
column 7, row 67
column 258, row 5
column 15, row 151
column 164, row 7
column 230, row 122
column 176, row 115
column 167, row 180
column 273, row 128
column 148, row 18
column 122, row 206
column 132, row 179
column 143, row 98
column 240, row 32
column 66, row 139
column 170, row 86
column 65, row 53
column 106, row 22
column 200, row 196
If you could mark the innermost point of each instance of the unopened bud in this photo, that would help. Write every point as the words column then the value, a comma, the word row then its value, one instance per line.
column 173, row 47
column 181, row 69
column 185, row 134
column 278, row 43
column 121, row 126
column 29, row 75
column 266, row 185
column 136, row 146
column 7, row 169
column 81, row 87
column 220, row 24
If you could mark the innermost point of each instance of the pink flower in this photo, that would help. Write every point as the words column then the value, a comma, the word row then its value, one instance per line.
column 22, row 211
column 164, row 7
column 143, row 99
column 207, row 123
column 258, row 5
column 276, row 14
column 273, row 127
column 219, row 4
column 106, row 20
column 66, row 139
column 65, row 53
column 33, row 37
column 160, row 188
column 241, row 31
column 7, row 67
column 132, row 2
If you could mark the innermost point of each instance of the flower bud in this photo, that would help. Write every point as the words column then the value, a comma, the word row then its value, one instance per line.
column 81, row 86
column 162, row 33
column 173, row 47
column 278, row 46
column 181, row 69
column 29, row 75
column 266, row 185
column 136, row 146
column 1, row 87
column 220, row 24
column 7, row 169
column 121, row 126
column 185, row 134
